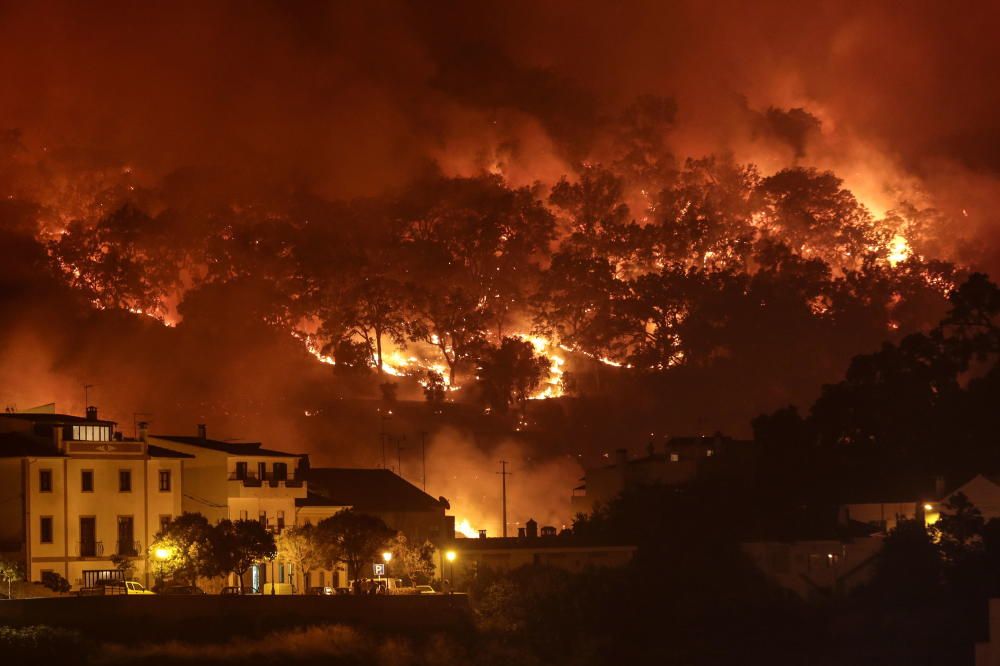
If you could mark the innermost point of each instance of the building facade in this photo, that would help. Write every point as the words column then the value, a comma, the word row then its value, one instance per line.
column 78, row 493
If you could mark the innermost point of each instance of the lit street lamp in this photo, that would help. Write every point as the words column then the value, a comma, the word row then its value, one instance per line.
column 450, row 556
column 162, row 554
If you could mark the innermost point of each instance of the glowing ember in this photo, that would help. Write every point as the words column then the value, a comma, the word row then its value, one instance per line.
column 899, row 250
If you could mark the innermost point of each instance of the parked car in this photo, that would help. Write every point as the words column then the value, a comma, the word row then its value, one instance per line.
column 321, row 591
column 182, row 590
column 236, row 591
column 424, row 589
column 128, row 587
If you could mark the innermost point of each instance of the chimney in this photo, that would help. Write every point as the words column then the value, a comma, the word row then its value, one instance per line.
column 521, row 533
column 531, row 527
column 202, row 431
column 91, row 413
column 143, row 430
column 621, row 457
column 482, row 534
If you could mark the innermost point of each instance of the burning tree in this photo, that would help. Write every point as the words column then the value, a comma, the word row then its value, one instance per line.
column 510, row 373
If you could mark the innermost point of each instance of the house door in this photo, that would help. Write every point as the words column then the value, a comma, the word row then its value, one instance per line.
column 88, row 536
column 126, row 537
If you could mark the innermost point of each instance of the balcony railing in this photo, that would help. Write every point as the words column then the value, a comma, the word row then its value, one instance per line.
column 255, row 480
column 129, row 548
column 90, row 548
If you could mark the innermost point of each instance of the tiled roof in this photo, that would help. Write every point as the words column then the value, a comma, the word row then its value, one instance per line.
column 18, row 445
column 366, row 490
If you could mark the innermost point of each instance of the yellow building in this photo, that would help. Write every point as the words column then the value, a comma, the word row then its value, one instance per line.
column 76, row 492
column 239, row 481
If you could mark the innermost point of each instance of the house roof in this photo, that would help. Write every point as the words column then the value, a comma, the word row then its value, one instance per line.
column 232, row 448
column 366, row 490
column 160, row 452
column 55, row 419
column 19, row 445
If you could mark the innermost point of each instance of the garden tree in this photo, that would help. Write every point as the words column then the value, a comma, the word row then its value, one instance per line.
column 55, row 582
column 238, row 545
column 412, row 561
column 126, row 259
column 357, row 538
column 510, row 373
column 125, row 564
column 908, row 569
column 306, row 548
column 10, row 572
column 187, row 539
column 972, row 320
column 434, row 390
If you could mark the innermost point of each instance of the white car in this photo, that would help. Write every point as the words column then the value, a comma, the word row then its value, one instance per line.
column 129, row 587
column 424, row 589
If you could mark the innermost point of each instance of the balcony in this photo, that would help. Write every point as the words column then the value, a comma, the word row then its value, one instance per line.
column 90, row 549
column 247, row 485
column 129, row 548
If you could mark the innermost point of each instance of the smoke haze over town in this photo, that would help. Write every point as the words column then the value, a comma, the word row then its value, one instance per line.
column 194, row 202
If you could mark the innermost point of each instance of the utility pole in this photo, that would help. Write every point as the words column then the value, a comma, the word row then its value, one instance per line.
column 423, row 456
column 382, row 436
column 503, row 487
column 399, row 457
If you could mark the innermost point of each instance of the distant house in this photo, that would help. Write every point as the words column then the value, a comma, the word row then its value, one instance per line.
column 681, row 460
column 376, row 492
column 881, row 502
column 819, row 567
column 78, row 492
column 563, row 551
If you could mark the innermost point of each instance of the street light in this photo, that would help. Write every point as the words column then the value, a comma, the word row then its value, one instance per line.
column 450, row 556
column 162, row 554
column 387, row 556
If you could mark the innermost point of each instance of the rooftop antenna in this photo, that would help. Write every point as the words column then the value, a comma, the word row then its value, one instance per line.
column 503, row 486
column 86, row 396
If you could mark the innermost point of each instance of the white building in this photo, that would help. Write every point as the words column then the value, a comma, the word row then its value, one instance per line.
column 76, row 492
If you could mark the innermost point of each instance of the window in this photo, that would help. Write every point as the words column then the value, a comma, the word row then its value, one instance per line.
column 124, row 481
column 263, row 518
column 45, row 480
column 322, row 578
column 45, row 529
column 281, row 520
column 241, row 470
column 261, row 471
column 244, row 515
column 89, row 433
column 165, row 521
column 281, row 471
column 87, row 481
column 708, row 454
column 675, row 457
column 281, row 572
column 164, row 480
